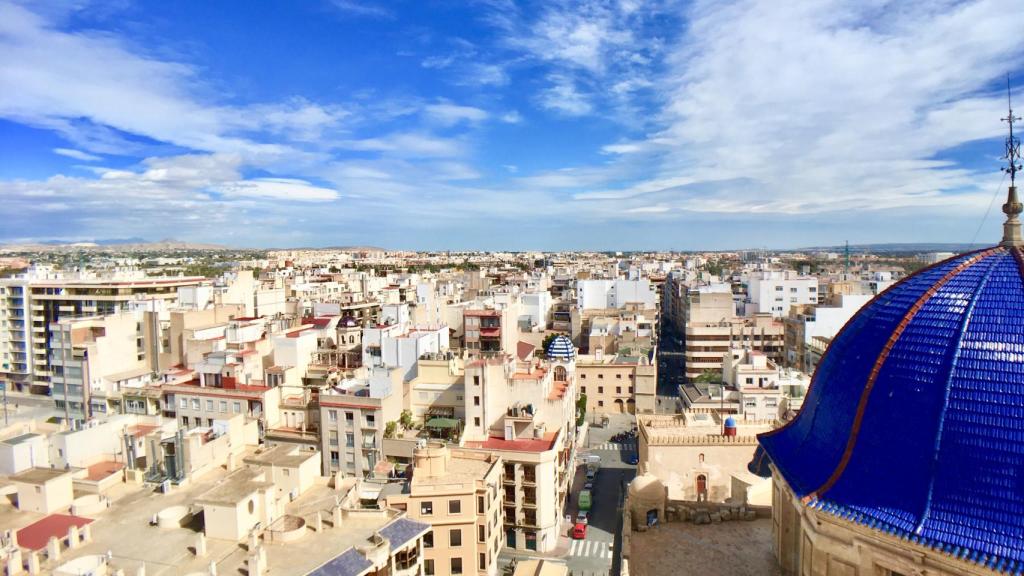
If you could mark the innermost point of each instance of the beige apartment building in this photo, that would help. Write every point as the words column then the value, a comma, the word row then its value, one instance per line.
column 94, row 360
column 459, row 493
column 712, row 328
column 617, row 384
column 353, row 417
column 31, row 303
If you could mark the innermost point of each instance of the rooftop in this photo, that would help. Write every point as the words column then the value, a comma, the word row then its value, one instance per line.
column 726, row 549
column 519, row 445
column 38, row 475
column 235, row 488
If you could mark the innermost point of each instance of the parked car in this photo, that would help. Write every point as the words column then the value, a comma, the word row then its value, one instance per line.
column 579, row 531
column 582, row 517
column 633, row 460
column 588, row 485
column 591, row 474
column 584, row 500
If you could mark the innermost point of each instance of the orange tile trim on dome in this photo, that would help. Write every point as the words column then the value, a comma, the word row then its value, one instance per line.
column 880, row 361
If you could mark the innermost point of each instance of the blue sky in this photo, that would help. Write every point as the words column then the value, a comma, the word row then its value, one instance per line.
column 491, row 124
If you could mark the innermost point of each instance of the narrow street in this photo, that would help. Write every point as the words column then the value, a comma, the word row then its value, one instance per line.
column 595, row 555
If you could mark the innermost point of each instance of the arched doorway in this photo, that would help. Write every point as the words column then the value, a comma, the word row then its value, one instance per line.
column 560, row 374
column 620, row 407
column 631, row 406
column 702, row 488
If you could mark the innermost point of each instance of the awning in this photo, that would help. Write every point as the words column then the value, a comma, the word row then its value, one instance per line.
column 442, row 423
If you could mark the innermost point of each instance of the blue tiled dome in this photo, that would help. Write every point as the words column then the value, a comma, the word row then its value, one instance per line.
column 561, row 348
column 730, row 422
column 913, row 423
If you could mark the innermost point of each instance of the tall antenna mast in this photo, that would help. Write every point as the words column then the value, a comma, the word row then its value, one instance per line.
column 1013, row 207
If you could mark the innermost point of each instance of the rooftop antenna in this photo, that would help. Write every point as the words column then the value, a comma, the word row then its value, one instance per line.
column 1013, row 207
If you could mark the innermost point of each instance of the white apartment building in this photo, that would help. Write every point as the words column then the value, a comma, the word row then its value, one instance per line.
column 618, row 293
column 401, row 345
column 775, row 291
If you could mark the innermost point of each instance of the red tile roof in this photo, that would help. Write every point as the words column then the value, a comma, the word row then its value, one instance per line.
column 36, row 535
column 524, row 349
column 101, row 470
column 522, row 445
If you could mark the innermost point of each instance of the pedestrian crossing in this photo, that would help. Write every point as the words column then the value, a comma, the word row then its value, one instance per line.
column 591, row 549
column 617, row 446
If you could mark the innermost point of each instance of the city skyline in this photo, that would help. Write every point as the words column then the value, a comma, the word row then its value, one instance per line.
column 585, row 125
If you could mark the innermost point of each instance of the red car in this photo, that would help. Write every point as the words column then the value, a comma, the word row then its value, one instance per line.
column 579, row 531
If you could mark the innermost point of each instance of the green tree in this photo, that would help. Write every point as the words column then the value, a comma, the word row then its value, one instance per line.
column 709, row 377
column 406, row 419
column 390, row 428
column 581, row 410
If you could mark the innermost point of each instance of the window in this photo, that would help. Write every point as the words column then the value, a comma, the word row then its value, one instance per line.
column 428, row 565
column 455, row 537
column 455, row 506
column 237, row 407
column 286, row 471
column 476, row 421
column 618, row 376
column 456, row 565
column 600, row 389
column 583, row 376
column 778, row 288
column 750, row 380
column 583, row 389
column 184, row 403
column 334, row 458
column 195, row 404
column 370, row 421
column 332, row 415
column 333, row 438
column 483, row 561
column 630, row 389
column 618, row 389
column 792, row 290
column 223, row 406
column 350, row 439
column 479, row 504
column 349, row 417
column 476, row 380
column 428, row 539
column 426, row 508
column 476, row 400
column 481, row 533
column 600, row 376
column 600, row 402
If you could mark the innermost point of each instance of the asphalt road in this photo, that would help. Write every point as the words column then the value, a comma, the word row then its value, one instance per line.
column 595, row 553
column 671, row 368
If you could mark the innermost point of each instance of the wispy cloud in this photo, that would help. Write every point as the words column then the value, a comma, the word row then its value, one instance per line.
column 360, row 8
column 77, row 154
column 448, row 114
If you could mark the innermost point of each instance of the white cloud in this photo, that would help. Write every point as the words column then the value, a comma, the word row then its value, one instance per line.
column 448, row 114
column 563, row 97
column 368, row 9
column 406, row 144
column 512, row 117
column 77, row 154
column 276, row 189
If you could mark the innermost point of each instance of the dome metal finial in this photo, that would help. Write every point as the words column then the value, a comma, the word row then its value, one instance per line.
column 1013, row 207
